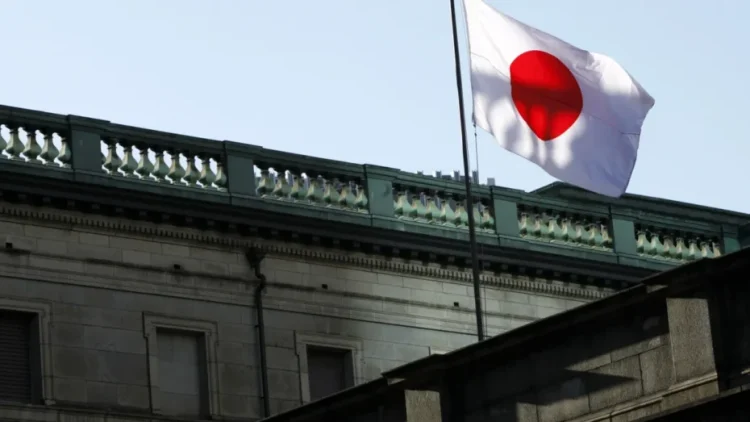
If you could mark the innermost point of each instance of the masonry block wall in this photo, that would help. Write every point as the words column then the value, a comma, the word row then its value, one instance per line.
column 122, row 309
column 557, row 379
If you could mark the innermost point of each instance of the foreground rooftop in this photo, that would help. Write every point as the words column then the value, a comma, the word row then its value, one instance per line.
column 672, row 348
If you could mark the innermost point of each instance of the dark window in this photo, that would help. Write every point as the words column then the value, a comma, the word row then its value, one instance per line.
column 183, row 382
column 15, row 356
column 330, row 370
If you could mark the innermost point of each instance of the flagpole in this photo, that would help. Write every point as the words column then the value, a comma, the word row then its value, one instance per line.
column 467, row 180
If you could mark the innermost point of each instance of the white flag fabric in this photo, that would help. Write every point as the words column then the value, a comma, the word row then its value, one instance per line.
column 575, row 113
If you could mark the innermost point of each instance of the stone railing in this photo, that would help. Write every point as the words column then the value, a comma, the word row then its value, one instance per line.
column 441, row 202
column 557, row 225
column 676, row 245
column 84, row 150
column 310, row 181
column 158, row 157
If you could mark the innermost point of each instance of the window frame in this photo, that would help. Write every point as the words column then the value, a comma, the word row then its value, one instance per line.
column 209, row 332
column 40, row 359
column 303, row 340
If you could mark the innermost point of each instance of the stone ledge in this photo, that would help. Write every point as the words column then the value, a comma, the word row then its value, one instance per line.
column 241, row 296
column 109, row 225
column 653, row 403
column 35, row 413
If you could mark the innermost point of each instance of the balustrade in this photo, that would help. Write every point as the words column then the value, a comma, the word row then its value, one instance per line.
column 675, row 246
column 150, row 161
column 435, row 207
column 557, row 226
column 109, row 151
column 21, row 142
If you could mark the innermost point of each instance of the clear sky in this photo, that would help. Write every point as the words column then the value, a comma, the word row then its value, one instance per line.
column 373, row 81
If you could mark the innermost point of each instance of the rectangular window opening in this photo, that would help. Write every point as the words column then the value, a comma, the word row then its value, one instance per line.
column 183, row 373
column 330, row 370
column 19, row 357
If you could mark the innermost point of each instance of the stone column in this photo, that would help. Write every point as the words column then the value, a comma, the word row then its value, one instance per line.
column 422, row 406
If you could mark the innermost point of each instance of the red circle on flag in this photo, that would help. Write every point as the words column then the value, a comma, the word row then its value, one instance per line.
column 546, row 93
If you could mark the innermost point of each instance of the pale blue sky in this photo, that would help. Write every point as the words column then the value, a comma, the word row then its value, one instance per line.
column 373, row 81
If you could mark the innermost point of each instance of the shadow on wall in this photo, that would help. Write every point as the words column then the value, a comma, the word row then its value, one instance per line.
column 561, row 375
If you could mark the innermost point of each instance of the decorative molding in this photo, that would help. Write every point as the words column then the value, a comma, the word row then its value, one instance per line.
column 302, row 340
column 274, row 301
column 317, row 254
column 209, row 331
column 43, row 312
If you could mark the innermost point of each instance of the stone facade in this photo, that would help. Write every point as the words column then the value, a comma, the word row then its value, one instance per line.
column 104, row 287
column 672, row 348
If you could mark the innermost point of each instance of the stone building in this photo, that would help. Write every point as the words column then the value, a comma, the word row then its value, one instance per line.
column 130, row 277
column 673, row 348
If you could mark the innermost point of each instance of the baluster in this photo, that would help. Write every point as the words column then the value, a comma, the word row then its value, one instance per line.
column 65, row 155
column 315, row 190
column 642, row 244
column 281, row 189
column 695, row 251
column 3, row 143
column 221, row 176
column 657, row 247
column 488, row 221
column 553, row 232
column 566, row 229
column 161, row 169
column 361, row 201
column 417, row 202
column 191, row 172
column 112, row 162
column 715, row 249
column 431, row 210
column 265, row 184
column 145, row 166
column 129, row 164
column 536, row 228
column 400, row 203
column 14, row 146
column 669, row 250
column 523, row 224
column 298, row 186
column 477, row 214
column 607, row 240
column 706, row 252
column 578, row 232
column 681, row 250
column 32, row 150
column 585, row 231
column 207, row 176
column 50, row 151
column 331, row 192
column 347, row 197
column 176, row 172
column 447, row 216
column 595, row 235
column 461, row 217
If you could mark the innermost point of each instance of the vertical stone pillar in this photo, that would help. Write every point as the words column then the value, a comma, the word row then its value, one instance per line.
column 730, row 239
column 85, row 144
column 505, row 208
column 240, row 168
column 422, row 406
column 691, row 335
column 379, row 187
